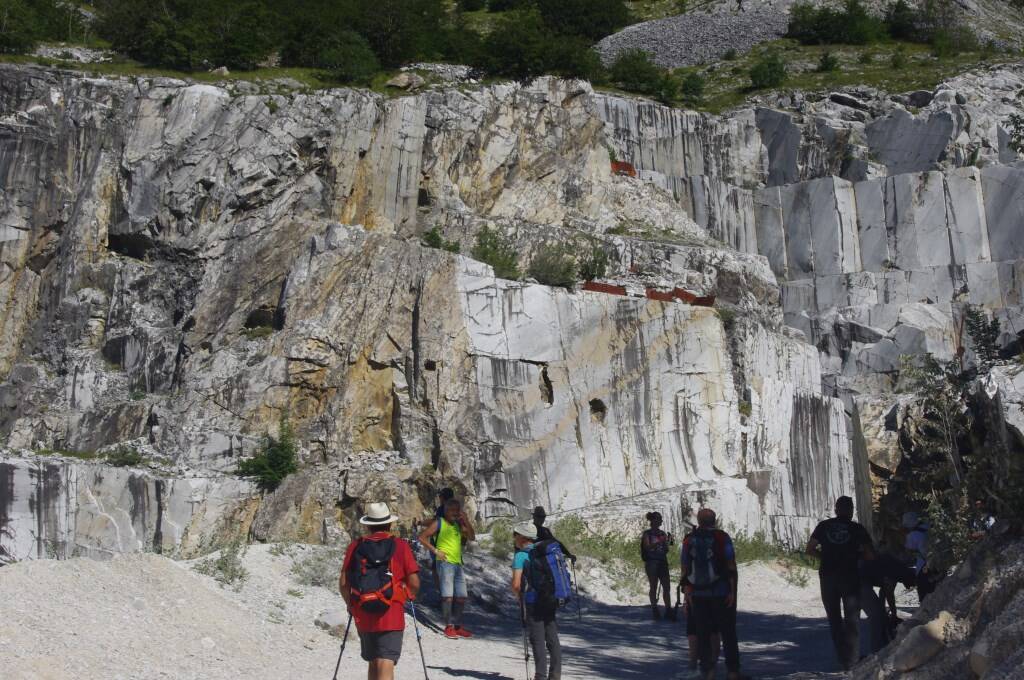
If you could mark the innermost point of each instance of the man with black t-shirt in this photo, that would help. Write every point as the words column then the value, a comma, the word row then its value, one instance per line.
column 841, row 543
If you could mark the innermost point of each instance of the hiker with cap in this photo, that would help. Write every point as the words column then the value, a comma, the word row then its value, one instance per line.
column 378, row 576
column 710, row 580
column 654, row 545
column 916, row 544
column 537, row 603
column 445, row 537
column 840, row 543
column 544, row 534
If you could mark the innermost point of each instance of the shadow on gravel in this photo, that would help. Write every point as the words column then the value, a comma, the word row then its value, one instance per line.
column 460, row 673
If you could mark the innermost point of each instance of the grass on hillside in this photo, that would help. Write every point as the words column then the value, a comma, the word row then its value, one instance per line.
column 727, row 83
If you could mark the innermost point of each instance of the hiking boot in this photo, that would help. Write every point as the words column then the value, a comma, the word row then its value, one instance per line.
column 451, row 633
column 462, row 632
column 656, row 613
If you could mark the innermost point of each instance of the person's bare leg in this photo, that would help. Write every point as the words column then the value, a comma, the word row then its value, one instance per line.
column 382, row 669
column 694, row 651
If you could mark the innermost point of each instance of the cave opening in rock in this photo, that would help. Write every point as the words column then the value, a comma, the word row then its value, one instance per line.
column 598, row 411
column 547, row 390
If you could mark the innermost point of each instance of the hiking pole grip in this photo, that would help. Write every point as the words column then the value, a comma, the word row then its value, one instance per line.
column 344, row 640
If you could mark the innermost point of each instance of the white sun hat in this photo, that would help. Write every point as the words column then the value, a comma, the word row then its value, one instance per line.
column 378, row 513
column 526, row 530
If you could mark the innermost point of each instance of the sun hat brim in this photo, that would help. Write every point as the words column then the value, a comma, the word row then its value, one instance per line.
column 375, row 521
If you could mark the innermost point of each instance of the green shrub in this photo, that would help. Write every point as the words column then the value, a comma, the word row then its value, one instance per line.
column 852, row 25
column 828, row 63
column 898, row 60
column 1015, row 128
column 501, row 538
column 730, row 54
column 901, row 20
column 590, row 19
column 605, row 548
column 768, row 71
column 682, row 6
column 23, row 23
column 348, row 59
column 434, row 239
column 227, row 567
column 634, row 71
column 865, row 58
column 497, row 250
column 507, row 5
column 554, row 265
column 745, row 408
column 949, row 42
column 594, row 265
column 692, row 87
column 471, row 5
column 275, row 461
column 519, row 47
column 124, row 456
column 319, row 566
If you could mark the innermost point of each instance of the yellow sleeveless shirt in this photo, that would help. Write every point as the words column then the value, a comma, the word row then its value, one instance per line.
column 449, row 541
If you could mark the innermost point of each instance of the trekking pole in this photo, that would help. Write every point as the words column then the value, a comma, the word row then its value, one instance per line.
column 526, row 646
column 576, row 587
column 343, row 641
column 419, row 641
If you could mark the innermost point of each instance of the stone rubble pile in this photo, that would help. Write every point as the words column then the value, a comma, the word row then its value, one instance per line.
column 699, row 37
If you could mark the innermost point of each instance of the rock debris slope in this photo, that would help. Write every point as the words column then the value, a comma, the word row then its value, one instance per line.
column 185, row 263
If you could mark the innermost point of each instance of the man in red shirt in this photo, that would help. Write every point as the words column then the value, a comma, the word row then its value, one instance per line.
column 379, row 574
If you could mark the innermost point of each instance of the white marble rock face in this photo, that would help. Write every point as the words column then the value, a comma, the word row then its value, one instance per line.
column 183, row 263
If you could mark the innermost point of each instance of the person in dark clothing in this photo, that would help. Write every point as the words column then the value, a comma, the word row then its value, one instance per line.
column 882, row 571
column 841, row 543
column 710, row 579
column 654, row 546
column 544, row 534
column 443, row 496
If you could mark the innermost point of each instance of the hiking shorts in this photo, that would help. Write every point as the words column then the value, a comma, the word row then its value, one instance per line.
column 387, row 645
column 451, row 581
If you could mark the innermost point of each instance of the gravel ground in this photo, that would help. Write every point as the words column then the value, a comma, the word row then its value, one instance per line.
column 700, row 37
column 145, row 616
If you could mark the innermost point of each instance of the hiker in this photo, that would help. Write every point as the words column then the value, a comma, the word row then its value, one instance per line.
column 536, row 609
column 693, row 642
column 840, row 542
column 378, row 575
column 916, row 543
column 710, row 580
column 654, row 545
column 544, row 534
column 444, row 537
column 443, row 496
column 981, row 522
column 882, row 571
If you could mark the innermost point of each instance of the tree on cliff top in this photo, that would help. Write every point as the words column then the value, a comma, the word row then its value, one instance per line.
column 276, row 461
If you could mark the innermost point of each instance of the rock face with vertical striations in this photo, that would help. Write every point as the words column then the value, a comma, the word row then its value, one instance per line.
column 183, row 264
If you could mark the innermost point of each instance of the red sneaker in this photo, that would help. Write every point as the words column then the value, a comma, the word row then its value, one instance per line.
column 451, row 633
column 462, row 632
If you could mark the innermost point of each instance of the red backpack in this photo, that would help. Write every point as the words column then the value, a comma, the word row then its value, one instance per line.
column 370, row 578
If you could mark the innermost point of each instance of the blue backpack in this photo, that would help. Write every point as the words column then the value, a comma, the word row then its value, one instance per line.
column 547, row 576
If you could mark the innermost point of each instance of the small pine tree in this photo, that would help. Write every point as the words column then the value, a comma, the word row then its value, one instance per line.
column 828, row 62
column 1015, row 126
column 276, row 461
column 984, row 334
column 500, row 252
